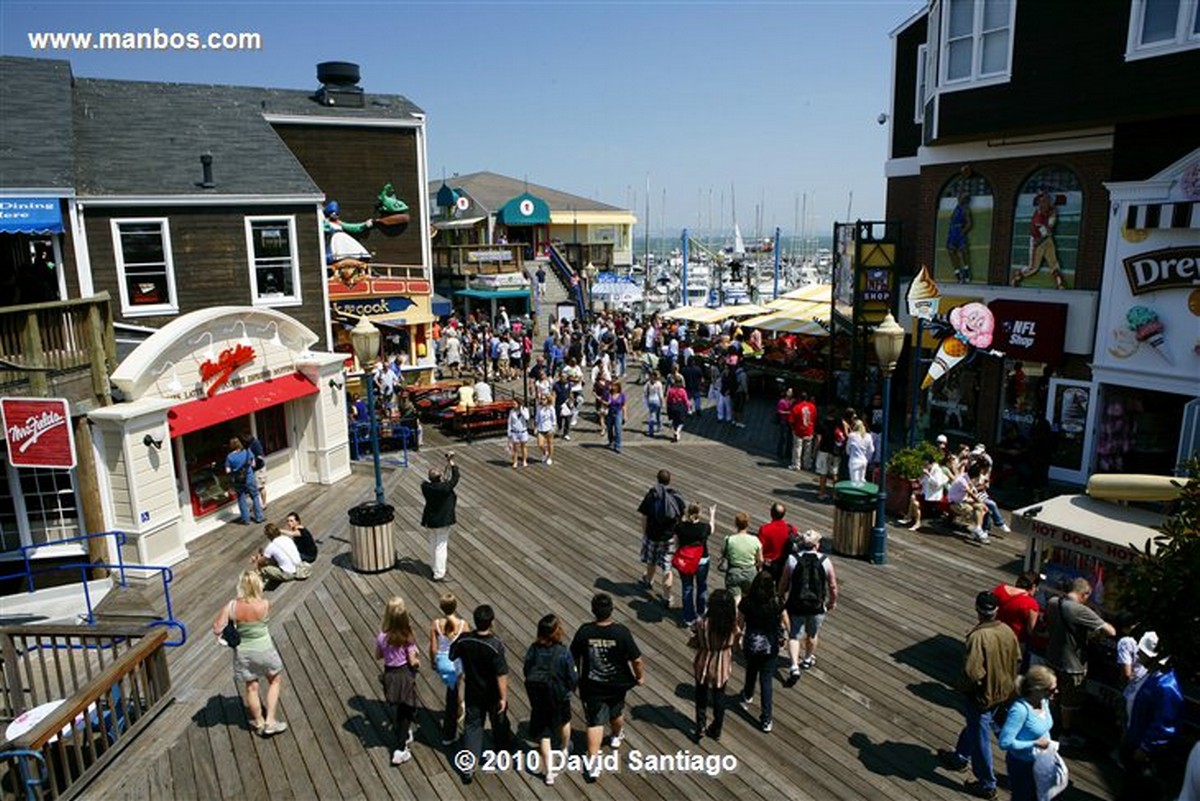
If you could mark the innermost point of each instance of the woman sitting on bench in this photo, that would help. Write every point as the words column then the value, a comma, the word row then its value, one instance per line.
column 931, row 499
column 967, row 504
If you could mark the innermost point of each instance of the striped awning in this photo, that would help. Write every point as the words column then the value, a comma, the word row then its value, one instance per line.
column 811, row 318
column 1143, row 216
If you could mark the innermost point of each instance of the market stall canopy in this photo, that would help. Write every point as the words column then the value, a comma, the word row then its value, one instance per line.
column 524, row 209
column 496, row 294
column 441, row 305
column 798, row 317
column 703, row 314
column 614, row 287
column 816, row 292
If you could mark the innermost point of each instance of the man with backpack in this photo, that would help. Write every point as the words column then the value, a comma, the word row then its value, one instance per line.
column 239, row 465
column 661, row 510
column 809, row 587
column 260, row 465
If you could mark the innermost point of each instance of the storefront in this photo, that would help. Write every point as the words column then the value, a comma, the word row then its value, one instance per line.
column 1147, row 351
column 1035, row 368
column 204, row 378
column 31, row 231
column 402, row 308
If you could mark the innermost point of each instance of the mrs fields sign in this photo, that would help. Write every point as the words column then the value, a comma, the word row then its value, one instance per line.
column 38, row 432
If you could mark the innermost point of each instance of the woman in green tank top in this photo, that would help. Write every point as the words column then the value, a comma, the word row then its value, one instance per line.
column 255, row 656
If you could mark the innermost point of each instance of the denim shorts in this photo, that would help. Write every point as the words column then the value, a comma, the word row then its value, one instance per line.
column 809, row 624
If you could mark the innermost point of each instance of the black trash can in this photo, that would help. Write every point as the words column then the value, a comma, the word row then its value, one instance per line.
column 854, row 505
column 372, row 549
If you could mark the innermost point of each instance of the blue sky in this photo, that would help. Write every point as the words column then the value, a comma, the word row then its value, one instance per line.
column 765, row 101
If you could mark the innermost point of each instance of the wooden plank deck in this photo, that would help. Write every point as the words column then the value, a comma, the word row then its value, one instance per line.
column 865, row 723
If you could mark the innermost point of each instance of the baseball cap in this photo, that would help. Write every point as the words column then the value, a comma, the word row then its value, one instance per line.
column 987, row 603
column 1148, row 644
column 942, row 440
column 978, row 449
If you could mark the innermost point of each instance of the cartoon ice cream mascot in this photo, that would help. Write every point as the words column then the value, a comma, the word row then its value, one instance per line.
column 972, row 327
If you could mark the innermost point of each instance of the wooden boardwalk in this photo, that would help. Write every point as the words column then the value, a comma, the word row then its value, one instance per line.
column 865, row 723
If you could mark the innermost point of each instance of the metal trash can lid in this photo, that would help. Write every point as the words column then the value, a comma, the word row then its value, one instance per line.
column 371, row 514
column 856, row 489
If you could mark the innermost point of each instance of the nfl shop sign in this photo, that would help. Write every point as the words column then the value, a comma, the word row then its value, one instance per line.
column 38, row 432
column 1031, row 331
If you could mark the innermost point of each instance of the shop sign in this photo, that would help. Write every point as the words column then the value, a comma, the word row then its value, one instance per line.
column 1075, row 541
column 489, row 255
column 1033, row 332
column 220, row 370
column 374, row 306
column 1170, row 268
column 38, row 432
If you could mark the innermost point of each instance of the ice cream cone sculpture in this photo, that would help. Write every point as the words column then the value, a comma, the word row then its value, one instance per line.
column 923, row 295
column 950, row 353
column 1144, row 323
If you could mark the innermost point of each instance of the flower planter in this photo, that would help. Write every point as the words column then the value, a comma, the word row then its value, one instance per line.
column 899, row 491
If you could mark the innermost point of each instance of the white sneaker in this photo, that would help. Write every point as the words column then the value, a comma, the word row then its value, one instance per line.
column 550, row 777
column 567, row 437
column 549, row 461
column 979, row 534
column 1006, row 529
column 399, row 757
column 616, row 740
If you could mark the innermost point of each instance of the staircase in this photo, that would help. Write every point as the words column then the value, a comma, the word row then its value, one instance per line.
column 556, row 290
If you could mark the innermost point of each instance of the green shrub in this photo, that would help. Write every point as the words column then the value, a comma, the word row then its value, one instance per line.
column 909, row 463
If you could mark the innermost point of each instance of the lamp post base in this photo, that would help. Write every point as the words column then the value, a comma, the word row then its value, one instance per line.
column 879, row 545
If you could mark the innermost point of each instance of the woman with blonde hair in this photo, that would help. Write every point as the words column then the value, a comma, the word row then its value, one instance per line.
column 255, row 657
column 396, row 645
column 859, row 450
column 544, row 422
column 442, row 633
column 1027, row 730
column 741, row 557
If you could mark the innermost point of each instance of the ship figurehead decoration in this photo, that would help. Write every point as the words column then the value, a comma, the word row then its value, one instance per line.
column 964, row 333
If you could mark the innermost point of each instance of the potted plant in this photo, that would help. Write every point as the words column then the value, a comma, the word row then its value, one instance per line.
column 904, row 470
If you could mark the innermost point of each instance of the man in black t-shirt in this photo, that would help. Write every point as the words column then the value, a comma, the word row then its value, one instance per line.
column 827, row 454
column 485, row 686
column 610, row 663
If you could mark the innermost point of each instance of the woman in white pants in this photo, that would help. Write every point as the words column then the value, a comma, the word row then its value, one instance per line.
column 859, row 450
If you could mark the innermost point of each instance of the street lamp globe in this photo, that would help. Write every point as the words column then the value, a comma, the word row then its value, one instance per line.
column 365, row 339
column 888, row 340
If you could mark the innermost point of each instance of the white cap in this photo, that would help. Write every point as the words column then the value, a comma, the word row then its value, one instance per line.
column 941, row 438
column 1148, row 644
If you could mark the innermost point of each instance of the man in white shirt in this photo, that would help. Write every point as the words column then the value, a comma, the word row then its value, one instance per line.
column 280, row 561
column 483, row 392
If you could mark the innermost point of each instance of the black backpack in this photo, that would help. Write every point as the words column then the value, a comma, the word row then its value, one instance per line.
column 543, row 673
column 809, row 584
column 666, row 513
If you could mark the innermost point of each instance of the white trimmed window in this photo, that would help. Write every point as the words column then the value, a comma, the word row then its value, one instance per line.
column 37, row 505
column 145, row 270
column 274, row 261
column 976, row 41
column 1159, row 27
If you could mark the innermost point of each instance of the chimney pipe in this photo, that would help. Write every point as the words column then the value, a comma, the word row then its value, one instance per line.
column 206, row 160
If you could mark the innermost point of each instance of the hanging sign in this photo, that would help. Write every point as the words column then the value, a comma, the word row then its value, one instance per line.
column 38, row 432
column 222, row 369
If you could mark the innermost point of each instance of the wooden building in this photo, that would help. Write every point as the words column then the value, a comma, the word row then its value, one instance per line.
column 129, row 207
column 990, row 124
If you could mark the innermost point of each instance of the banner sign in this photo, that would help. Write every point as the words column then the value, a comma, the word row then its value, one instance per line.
column 38, row 432
column 1033, row 332
column 1170, row 268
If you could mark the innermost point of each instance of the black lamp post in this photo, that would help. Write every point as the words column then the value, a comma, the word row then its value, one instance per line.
column 888, row 340
column 365, row 339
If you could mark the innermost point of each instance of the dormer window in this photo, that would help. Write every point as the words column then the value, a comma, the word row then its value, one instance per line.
column 975, row 41
column 1161, row 27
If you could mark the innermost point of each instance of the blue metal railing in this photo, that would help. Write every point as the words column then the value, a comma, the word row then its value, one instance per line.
column 120, row 568
column 118, row 537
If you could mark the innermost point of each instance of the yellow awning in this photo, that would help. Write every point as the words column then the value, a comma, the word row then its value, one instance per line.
column 696, row 314
column 817, row 292
column 798, row 318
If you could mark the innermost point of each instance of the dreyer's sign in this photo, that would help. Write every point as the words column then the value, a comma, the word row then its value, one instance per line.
column 1171, row 268
column 38, row 432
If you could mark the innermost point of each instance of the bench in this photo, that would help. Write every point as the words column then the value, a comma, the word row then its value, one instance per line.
column 481, row 419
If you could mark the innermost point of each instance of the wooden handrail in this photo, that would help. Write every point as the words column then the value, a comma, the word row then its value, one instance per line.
column 37, row 737
column 57, row 305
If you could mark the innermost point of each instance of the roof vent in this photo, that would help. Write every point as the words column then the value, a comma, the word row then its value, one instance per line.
column 339, row 85
column 206, row 166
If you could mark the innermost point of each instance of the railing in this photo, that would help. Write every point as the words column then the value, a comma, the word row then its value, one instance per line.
column 565, row 273
column 118, row 540
column 43, row 345
column 78, row 695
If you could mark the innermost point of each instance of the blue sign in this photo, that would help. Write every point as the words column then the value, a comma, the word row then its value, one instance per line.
column 30, row 215
column 371, row 307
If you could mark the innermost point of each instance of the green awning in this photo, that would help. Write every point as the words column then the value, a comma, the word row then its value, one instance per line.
column 524, row 209
column 489, row 294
